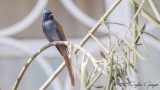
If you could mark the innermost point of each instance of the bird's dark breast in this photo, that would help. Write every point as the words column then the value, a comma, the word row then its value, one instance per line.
column 49, row 31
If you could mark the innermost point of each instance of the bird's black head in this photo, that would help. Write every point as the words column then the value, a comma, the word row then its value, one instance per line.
column 47, row 14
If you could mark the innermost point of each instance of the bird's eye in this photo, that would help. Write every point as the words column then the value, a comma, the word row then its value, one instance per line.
column 47, row 13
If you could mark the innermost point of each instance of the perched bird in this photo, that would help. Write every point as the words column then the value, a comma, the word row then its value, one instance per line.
column 54, row 32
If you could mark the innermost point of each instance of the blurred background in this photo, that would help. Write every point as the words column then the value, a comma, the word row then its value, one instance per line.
column 21, row 36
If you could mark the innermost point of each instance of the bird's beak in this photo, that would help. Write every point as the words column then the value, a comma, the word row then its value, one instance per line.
column 50, row 15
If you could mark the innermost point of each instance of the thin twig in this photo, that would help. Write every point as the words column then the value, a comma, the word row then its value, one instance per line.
column 94, row 29
column 144, row 13
column 154, row 8
column 47, row 83
column 15, row 86
column 44, row 48
column 84, row 40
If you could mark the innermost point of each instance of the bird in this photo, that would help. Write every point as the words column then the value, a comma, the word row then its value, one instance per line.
column 53, row 31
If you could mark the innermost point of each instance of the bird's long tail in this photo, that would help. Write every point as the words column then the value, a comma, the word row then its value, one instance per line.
column 67, row 61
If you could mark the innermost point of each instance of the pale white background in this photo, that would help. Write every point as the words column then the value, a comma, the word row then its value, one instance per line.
column 21, row 35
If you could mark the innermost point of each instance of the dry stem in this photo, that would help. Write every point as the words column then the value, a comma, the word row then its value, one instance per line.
column 44, row 48
column 155, row 10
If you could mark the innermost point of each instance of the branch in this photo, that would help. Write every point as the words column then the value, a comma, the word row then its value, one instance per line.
column 47, row 83
column 154, row 8
column 15, row 86
column 44, row 48
column 94, row 29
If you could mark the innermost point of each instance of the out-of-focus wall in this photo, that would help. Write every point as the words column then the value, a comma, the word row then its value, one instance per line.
column 12, row 11
column 14, row 55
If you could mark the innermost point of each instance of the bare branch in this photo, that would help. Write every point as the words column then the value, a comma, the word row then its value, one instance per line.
column 154, row 8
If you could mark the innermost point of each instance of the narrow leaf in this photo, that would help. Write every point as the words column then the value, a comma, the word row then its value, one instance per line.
column 75, row 63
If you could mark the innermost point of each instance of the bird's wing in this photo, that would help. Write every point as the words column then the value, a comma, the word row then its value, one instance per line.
column 61, row 35
column 60, row 31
